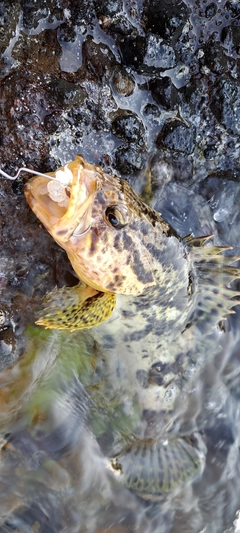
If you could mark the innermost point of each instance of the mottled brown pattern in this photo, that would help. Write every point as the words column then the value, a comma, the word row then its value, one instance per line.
column 171, row 295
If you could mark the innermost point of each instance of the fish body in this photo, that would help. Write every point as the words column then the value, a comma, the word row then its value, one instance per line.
column 154, row 302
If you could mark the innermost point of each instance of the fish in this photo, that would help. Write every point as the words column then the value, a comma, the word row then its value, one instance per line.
column 156, row 305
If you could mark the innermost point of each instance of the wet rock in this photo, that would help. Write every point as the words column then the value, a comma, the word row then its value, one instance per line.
column 232, row 9
column 225, row 104
column 176, row 135
column 210, row 151
column 230, row 37
column 126, row 125
column 32, row 13
column 133, row 50
column 98, row 58
column 66, row 94
column 158, row 55
column 129, row 159
column 66, row 33
column 215, row 58
column 43, row 53
column 75, row 12
column 151, row 110
column 9, row 14
column 123, row 83
column 25, row 103
column 164, row 92
column 53, row 122
column 211, row 10
column 108, row 7
column 165, row 18
column 118, row 26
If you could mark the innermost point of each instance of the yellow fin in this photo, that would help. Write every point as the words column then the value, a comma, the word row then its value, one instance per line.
column 74, row 308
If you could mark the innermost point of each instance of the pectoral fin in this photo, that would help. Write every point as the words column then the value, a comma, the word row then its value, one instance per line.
column 154, row 468
column 75, row 308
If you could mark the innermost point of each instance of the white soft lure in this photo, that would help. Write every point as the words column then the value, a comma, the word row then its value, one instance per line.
column 63, row 177
column 58, row 187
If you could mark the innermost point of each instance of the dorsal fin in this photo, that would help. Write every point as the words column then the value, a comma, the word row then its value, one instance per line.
column 196, row 241
column 215, row 296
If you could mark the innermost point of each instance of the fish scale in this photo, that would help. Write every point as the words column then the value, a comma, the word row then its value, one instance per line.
column 155, row 305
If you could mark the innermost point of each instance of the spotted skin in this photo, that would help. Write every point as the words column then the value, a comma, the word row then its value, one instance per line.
column 157, row 301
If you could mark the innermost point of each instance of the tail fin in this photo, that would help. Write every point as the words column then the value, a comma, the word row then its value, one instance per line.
column 154, row 468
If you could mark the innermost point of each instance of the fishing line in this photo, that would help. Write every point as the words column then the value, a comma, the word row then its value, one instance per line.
column 23, row 169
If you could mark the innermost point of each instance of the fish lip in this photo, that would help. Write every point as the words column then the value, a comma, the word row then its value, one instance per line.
column 63, row 222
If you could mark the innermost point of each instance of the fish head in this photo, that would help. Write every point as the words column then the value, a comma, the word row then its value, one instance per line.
column 101, row 223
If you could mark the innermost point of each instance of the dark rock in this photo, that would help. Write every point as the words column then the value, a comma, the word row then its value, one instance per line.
column 176, row 135
column 151, row 110
column 129, row 159
column 225, row 104
column 66, row 93
column 133, row 50
column 211, row 10
column 215, row 58
column 108, row 8
column 127, row 126
column 165, row 18
column 210, row 151
column 41, row 54
column 98, row 58
column 232, row 9
column 9, row 14
column 77, row 12
column 33, row 12
column 230, row 37
column 52, row 122
column 66, row 34
column 25, row 103
column 164, row 92
column 117, row 27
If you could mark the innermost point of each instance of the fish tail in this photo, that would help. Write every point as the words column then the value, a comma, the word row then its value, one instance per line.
column 155, row 468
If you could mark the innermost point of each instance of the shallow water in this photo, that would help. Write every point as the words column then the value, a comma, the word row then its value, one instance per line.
column 113, row 81
column 54, row 469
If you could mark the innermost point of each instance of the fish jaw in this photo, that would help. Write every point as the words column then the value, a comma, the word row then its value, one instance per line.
column 64, row 206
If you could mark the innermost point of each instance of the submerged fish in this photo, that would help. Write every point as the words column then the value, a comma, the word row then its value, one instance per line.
column 157, row 301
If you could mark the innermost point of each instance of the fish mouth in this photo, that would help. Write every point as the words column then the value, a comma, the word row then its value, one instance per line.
column 63, row 200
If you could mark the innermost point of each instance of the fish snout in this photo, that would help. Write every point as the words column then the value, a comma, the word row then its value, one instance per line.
column 62, row 201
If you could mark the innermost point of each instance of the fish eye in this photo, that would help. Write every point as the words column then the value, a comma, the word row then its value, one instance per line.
column 114, row 217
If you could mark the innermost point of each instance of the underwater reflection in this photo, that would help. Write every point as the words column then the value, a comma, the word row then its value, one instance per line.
column 60, row 425
column 53, row 474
